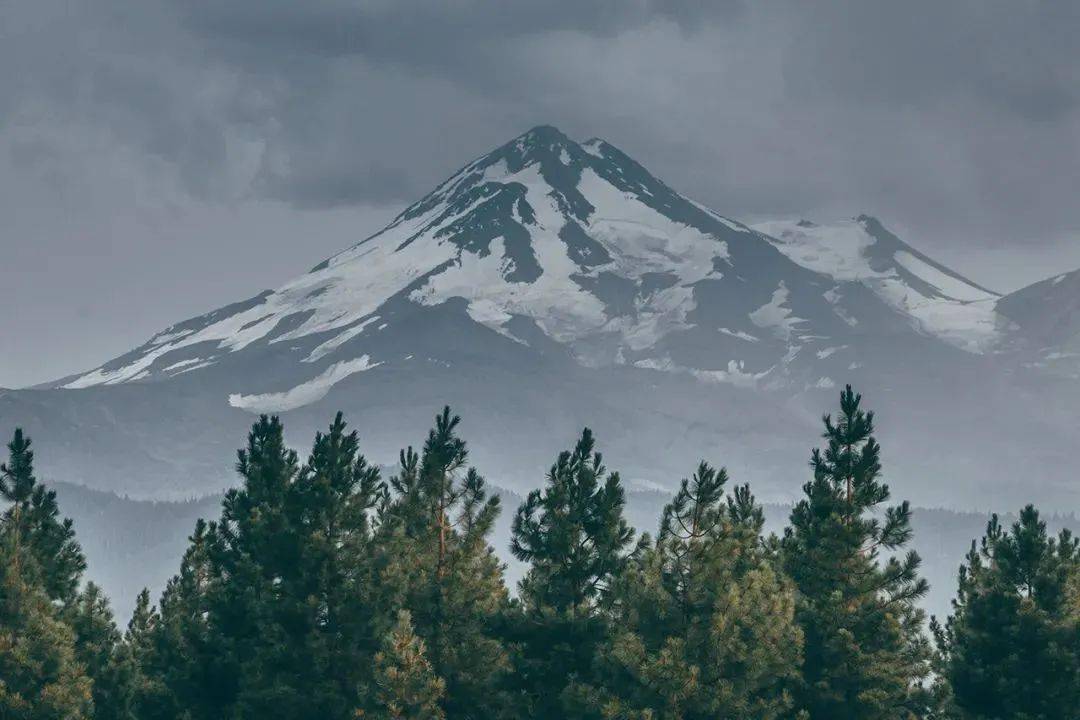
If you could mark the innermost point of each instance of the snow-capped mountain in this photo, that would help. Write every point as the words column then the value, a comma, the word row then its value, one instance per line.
column 1045, row 324
column 547, row 285
column 581, row 244
column 577, row 240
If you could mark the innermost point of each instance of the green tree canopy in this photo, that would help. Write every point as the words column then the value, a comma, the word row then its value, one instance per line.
column 48, row 550
column 1011, row 648
column 573, row 535
column 433, row 558
column 703, row 623
column 40, row 676
column 865, row 655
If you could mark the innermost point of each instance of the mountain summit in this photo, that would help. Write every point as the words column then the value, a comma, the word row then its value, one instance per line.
column 547, row 285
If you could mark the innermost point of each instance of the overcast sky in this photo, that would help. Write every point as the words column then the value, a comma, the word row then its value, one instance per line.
column 159, row 158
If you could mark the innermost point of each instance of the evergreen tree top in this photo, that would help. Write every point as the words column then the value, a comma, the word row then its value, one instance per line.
column 34, row 525
column 572, row 530
column 17, row 479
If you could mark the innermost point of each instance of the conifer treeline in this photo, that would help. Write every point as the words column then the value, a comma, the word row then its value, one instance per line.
column 327, row 591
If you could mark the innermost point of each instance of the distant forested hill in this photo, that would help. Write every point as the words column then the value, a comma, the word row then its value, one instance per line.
column 131, row 544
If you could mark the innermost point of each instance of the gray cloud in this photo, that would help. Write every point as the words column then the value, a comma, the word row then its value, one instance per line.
column 1018, row 58
column 958, row 123
column 417, row 32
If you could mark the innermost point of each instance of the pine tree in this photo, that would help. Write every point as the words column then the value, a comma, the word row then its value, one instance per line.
column 139, row 693
column 1011, row 648
column 434, row 559
column 184, row 671
column 51, row 556
column 271, row 613
column 253, row 553
column 288, row 563
column 335, row 494
column 407, row 687
column 573, row 535
column 99, row 652
column 40, row 677
column 865, row 655
column 143, row 619
column 46, row 561
column 703, row 623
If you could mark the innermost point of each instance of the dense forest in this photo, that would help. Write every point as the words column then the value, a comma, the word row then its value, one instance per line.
column 328, row 588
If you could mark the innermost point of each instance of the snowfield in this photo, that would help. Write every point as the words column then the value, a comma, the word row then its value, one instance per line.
column 938, row 303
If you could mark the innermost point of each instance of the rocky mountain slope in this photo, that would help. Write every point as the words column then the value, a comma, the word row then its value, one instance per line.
column 1046, row 317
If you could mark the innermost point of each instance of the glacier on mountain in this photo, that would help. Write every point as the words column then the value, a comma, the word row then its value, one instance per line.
column 936, row 301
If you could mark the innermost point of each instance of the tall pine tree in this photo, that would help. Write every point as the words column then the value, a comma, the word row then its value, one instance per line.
column 575, row 539
column 48, row 562
column 865, row 656
column 183, row 670
column 285, row 606
column 334, row 499
column 433, row 558
column 1011, row 648
column 99, row 650
column 40, row 678
column 703, row 623
column 53, row 557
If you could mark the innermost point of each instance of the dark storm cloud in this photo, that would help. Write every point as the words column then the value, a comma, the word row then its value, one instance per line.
column 948, row 117
column 958, row 116
column 907, row 109
column 406, row 75
column 1018, row 58
column 419, row 32
column 956, row 122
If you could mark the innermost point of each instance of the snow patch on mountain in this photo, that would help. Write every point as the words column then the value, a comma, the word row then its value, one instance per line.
column 182, row 364
column 947, row 284
column 834, row 250
column 739, row 334
column 972, row 326
column 305, row 393
column 776, row 314
column 329, row 346
column 126, row 373
column 562, row 308
column 735, row 374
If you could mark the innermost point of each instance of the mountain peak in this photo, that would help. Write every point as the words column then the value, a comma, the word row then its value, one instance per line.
column 544, row 133
column 580, row 242
column 541, row 144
